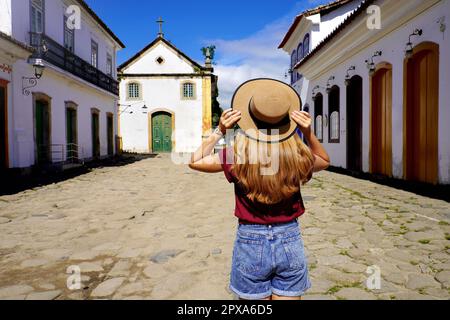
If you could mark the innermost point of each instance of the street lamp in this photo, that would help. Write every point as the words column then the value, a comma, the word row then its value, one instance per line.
column 409, row 47
column 347, row 76
column 332, row 78
column 371, row 64
column 127, row 106
column 39, row 67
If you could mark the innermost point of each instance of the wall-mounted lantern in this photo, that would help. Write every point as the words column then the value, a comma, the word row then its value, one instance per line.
column 347, row 76
column 409, row 47
column 288, row 73
column 128, row 106
column 39, row 67
column 330, row 79
column 314, row 92
column 371, row 64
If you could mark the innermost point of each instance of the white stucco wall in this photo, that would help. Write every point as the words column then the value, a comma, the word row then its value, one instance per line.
column 5, row 17
column 60, row 88
column 56, row 83
column 393, row 46
column 173, row 63
column 330, row 21
column 54, row 23
column 162, row 94
column 318, row 27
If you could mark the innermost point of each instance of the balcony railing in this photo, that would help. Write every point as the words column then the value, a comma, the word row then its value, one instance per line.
column 61, row 57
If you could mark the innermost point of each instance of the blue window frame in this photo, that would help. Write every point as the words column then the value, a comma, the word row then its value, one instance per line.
column 293, row 62
column 306, row 45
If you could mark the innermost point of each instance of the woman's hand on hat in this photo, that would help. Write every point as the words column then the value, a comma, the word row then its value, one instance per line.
column 229, row 119
column 303, row 120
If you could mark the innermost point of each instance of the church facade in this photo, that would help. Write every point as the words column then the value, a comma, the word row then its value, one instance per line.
column 378, row 94
column 165, row 100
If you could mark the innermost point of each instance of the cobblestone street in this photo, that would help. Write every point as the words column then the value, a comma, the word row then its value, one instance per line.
column 154, row 230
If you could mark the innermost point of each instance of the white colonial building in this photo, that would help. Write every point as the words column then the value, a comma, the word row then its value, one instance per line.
column 165, row 100
column 379, row 94
column 69, row 113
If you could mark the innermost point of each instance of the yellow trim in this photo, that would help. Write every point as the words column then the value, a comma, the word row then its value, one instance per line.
column 207, row 106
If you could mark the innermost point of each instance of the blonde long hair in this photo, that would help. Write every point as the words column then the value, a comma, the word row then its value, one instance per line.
column 252, row 158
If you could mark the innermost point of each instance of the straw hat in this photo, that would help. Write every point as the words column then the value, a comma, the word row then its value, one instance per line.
column 266, row 106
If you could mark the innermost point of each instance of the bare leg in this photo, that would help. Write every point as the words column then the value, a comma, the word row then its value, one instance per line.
column 265, row 299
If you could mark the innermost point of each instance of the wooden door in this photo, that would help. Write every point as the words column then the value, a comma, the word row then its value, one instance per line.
column 381, row 124
column 162, row 132
column 3, row 126
column 110, row 133
column 95, row 135
column 422, row 114
column 42, row 131
column 71, row 134
column 354, row 124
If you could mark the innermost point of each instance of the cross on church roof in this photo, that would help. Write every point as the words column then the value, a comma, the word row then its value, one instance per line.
column 160, row 21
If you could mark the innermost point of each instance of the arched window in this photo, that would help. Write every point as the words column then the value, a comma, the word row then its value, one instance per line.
column 318, row 117
column 300, row 52
column 306, row 45
column 334, row 112
column 188, row 91
column 293, row 62
column 134, row 91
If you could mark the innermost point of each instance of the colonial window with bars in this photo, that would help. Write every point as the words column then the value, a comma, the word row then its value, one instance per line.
column 293, row 63
column 109, row 64
column 37, row 18
column 305, row 45
column 94, row 53
column 188, row 91
column 134, row 91
column 69, row 37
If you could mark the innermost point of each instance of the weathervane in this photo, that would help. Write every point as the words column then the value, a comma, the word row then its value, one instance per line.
column 160, row 21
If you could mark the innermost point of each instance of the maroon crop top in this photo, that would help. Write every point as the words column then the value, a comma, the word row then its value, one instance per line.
column 250, row 212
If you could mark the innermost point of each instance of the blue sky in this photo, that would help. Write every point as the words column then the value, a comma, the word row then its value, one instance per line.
column 245, row 32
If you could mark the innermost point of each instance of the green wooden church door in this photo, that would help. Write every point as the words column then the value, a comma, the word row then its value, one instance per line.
column 162, row 132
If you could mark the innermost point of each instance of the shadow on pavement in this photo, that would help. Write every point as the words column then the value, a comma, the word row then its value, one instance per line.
column 439, row 192
column 12, row 181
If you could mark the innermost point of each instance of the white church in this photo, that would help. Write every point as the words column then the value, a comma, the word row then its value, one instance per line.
column 165, row 100
column 375, row 76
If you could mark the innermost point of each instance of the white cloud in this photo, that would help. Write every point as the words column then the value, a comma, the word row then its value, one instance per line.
column 253, row 57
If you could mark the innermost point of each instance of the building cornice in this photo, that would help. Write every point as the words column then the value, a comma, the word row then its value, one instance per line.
column 165, row 75
column 355, row 37
column 13, row 49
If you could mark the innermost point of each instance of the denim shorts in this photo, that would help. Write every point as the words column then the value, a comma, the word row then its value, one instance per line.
column 269, row 260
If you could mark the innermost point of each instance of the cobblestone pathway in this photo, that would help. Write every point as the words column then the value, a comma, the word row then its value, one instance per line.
column 153, row 230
